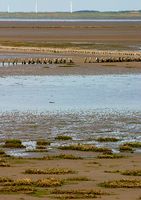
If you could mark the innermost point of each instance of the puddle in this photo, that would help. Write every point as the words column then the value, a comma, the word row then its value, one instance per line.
column 17, row 153
column 30, row 145
column 70, row 93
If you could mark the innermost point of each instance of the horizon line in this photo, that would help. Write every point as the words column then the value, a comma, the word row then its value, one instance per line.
column 72, row 12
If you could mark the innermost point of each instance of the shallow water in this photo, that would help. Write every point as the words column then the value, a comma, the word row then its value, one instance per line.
column 83, row 128
column 70, row 93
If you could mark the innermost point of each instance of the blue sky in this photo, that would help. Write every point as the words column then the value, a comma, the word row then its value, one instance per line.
column 63, row 5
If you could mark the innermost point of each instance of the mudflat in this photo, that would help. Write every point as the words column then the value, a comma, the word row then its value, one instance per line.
column 107, row 36
column 115, row 32
column 69, row 155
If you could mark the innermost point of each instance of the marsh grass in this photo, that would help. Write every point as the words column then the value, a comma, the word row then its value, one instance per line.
column 63, row 137
column 77, row 194
column 49, row 182
column 110, row 156
column 129, row 146
column 41, row 147
column 123, row 183
column 40, row 193
column 57, row 157
column 17, row 189
column 107, row 139
column 114, row 171
column 13, row 143
column 43, row 142
column 125, row 147
column 2, row 153
column 133, row 144
column 20, row 182
column 131, row 172
column 56, row 171
column 21, row 160
column 65, row 44
column 5, row 180
column 45, row 182
column 63, row 156
column 81, row 147
column 28, row 186
column 4, row 163
column 126, row 172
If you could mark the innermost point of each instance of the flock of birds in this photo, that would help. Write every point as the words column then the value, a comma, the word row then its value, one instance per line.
column 41, row 61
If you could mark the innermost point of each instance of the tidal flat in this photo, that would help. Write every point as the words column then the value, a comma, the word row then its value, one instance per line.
column 70, row 131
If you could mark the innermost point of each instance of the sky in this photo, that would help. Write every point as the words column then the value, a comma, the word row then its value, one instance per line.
column 64, row 5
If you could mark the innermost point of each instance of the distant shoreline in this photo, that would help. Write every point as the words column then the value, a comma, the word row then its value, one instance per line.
column 68, row 20
column 78, row 15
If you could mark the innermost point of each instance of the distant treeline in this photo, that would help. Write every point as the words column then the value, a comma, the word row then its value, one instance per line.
column 85, row 14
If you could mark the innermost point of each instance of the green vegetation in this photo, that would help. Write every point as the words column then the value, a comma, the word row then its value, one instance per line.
column 20, row 182
column 46, row 182
column 63, row 156
column 129, row 146
column 125, row 147
column 74, row 15
column 56, row 171
column 110, row 156
column 43, row 142
column 3, row 163
column 2, row 153
column 64, row 45
column 114, row 171
column 133, row 144
column 26, row 185
column 124, row 183
column 41, row 146
column 131, row 172
column 126, row 172
column 5, row 179
column 17, row 189
column 83, row 147
column 13, row 143
column 77, row 194
column 107, row 139
column 49, row 182
column 63, row 137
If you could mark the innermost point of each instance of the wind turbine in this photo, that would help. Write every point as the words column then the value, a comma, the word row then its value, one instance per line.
column 8, row 8
column 71, row 9
column 36, row 6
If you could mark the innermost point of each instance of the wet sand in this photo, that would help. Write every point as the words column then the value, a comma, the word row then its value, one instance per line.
column 33, row 127
column 77, row 69
column 103, row 35
column 91, row 168
column 115, row 32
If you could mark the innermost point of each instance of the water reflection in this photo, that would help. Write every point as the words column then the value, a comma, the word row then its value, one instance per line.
column 70, row 93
